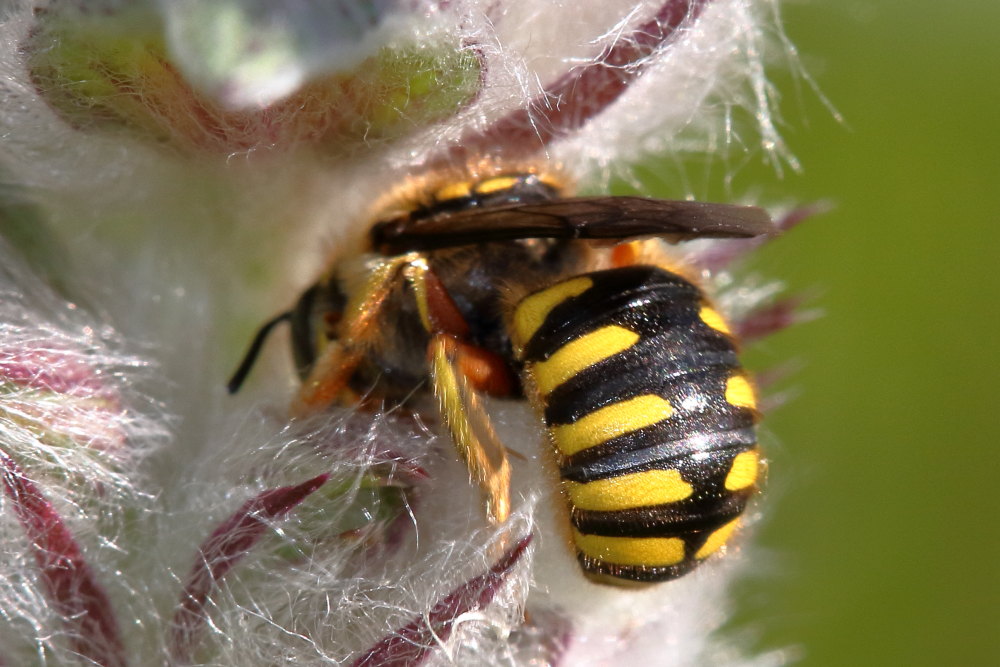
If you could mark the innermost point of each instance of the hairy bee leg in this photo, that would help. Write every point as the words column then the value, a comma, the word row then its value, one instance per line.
column 338, row 361
column 471, row 429
column 327, row 379
column 438, row 311
column 458, row 369
column 652, row 252
column 486, row 371
column 625, row 254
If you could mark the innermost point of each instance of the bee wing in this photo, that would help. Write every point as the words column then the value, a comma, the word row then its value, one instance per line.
column 471, row 430
column 574, row 218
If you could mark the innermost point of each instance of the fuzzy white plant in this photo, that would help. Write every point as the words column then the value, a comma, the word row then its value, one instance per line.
column 175, row 172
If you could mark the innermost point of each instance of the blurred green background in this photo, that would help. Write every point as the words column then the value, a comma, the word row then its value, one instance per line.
column 880, row 542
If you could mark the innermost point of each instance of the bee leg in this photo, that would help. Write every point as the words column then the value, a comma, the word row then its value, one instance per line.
column 327, row 379
column 626, row 254
column 458, row 370
column 484, row 370
column 652, row 252
column 337, row 362
column 471, row 429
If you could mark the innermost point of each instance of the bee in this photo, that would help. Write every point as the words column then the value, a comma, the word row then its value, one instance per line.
column 505, row 286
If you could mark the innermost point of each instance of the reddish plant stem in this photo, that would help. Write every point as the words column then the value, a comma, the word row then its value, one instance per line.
column 411, row 644
column 70, row 585
column 769, row 319
column 223, row 549
column 578, row 95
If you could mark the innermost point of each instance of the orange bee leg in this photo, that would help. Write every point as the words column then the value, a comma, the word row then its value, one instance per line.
column 459, row 372
column 327, row 380
column 470, row 426
column 337, row 362
column 625, row 254
column 484, row 370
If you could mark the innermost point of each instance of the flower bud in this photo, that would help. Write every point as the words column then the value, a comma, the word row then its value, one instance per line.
column 279, row 80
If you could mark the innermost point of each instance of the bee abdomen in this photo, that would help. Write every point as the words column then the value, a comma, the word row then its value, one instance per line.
column 650, row 413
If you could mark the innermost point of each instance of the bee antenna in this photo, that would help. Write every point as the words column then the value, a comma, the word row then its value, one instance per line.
column 236, row 381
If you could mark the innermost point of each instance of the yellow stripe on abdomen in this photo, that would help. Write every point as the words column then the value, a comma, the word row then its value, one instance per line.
column 580, row 354
column 639, row 489
column 743, row 472
column 717, row 539
column 533, row 309
column 711, row 317
column 739, row 392
column 648, row 551
column 610, row 422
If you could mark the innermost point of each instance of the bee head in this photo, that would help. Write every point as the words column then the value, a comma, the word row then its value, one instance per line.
column 314, row 319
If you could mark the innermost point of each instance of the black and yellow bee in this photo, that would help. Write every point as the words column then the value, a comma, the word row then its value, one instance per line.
column 506, row 287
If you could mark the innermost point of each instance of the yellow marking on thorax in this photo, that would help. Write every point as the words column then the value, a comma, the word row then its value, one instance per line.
column 648, row 551
column 580, row 354
column 639, row 489
column 717, row 539
column 610, row 422
column 743, row 473
column 497, row 184
column 551, row 181
column 533, row 309
column 740, row 393
column 459, row 190
column 711, row 317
